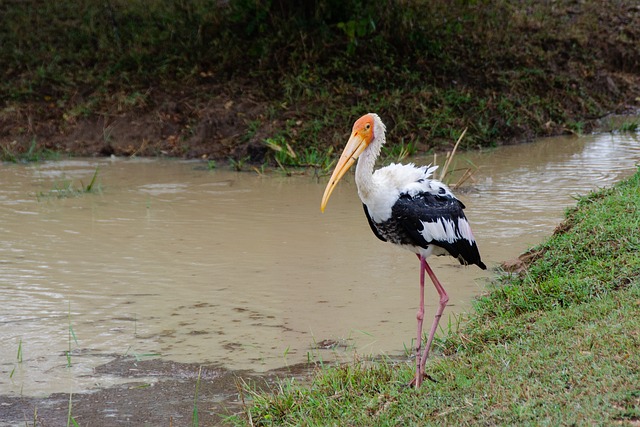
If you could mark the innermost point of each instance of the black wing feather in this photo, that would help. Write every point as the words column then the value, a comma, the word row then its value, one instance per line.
column 411, row 211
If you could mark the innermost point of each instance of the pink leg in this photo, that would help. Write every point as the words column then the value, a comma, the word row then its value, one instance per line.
column 444, row 298
column 420, row 316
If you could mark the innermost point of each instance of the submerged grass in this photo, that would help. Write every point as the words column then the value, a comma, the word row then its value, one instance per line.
column 72, row 337
column 66, row 188
column 555, row 345
column 18, row 359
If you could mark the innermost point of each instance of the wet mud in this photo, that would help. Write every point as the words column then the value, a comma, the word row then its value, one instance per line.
column 156, row 393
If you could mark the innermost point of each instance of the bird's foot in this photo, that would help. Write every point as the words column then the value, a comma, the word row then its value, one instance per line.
column 423, row 376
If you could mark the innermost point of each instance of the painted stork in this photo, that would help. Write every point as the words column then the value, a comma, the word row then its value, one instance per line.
column 405, row 206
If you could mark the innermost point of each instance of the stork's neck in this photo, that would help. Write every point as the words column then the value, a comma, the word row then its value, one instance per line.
column 364, row 169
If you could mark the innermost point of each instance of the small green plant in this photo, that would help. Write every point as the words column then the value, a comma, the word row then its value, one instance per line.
column 18, row 358
column 629, row 126
column 283, row 153
column 19, row 355
column 194, row 419
column 356, row 29
column 284, row 356
column 252, row 128
column 70, row 420
column 72, row 335
column 89, row 188
column 238, row 164
column 35, row 416
column 13, row 154
column 134, row 99
column 399, row 152
column 8, row 155
column 60, row 190
column 140, row 356
column 576, row 127
column 285, row 156
column 66, row 188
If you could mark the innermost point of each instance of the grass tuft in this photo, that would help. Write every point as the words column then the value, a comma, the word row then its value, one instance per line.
column 34, row 153
column 629, row 126
column 285, row 156
column 66, row 188
column 195, row 422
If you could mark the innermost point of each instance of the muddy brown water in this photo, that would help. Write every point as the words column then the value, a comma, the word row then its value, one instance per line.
column 175, row 262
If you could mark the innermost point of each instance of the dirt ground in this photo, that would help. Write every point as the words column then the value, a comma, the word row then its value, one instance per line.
column 169, row 401
column 183, row 125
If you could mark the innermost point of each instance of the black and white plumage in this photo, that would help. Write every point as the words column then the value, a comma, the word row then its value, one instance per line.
column 406, row 207
column 430, row 221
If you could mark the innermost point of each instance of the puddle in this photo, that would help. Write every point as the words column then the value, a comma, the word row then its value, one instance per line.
column 175, row 262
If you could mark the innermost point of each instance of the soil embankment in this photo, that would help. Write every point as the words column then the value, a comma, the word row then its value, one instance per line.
column 197, row 80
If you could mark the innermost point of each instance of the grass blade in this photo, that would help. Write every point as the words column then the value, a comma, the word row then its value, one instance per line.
column 194, row 420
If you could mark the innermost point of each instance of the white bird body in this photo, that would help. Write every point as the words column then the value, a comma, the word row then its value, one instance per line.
column 405, row 206
column 389, row 182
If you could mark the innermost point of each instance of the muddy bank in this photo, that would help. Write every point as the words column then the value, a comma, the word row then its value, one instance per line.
column 173, row 124
column 156, row 393
column 196, row 81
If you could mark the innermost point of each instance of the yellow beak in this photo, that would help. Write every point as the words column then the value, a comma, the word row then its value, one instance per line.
column 355, row 146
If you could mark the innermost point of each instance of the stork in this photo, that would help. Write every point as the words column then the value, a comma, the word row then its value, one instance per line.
column 405, row 206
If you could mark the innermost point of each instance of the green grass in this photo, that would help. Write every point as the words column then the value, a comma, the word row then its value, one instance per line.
column 66, row 188
column 34, row 153
column 629, row 126
column 555, row 345
column 71, row 337
column 285, row 155
column 18, row 359
column 399, row 152
column 195, row 422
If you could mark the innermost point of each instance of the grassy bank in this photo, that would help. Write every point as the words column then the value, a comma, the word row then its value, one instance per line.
column 214, row 79
column 554, row 345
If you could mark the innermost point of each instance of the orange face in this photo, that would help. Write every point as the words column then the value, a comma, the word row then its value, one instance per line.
column 361, row 137
column 363, row 128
